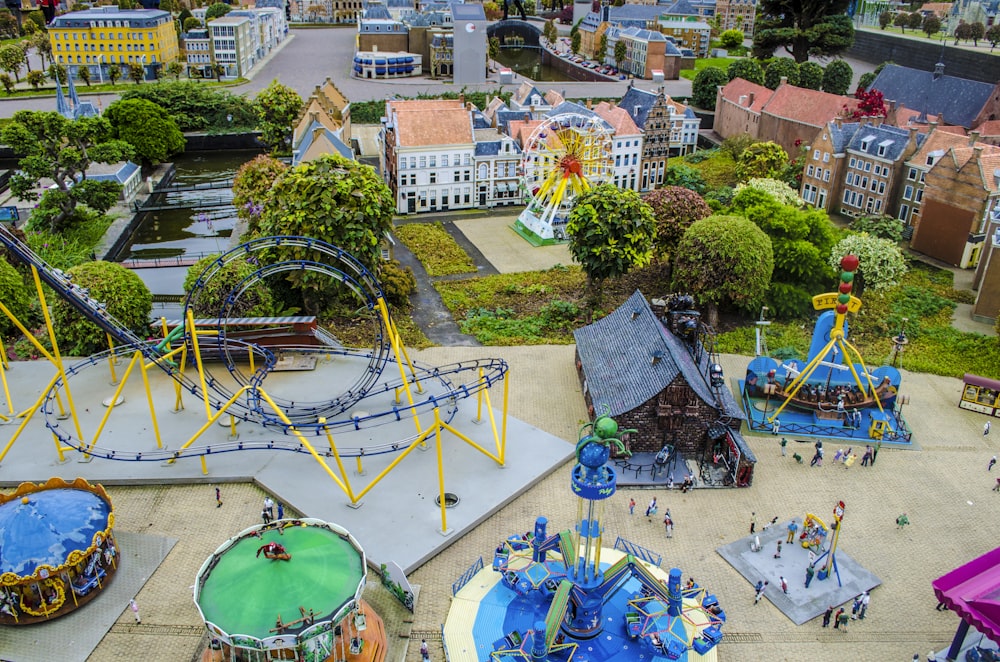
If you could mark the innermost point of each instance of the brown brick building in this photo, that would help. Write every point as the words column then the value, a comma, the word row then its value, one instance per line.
column 648, row 378
column 737, row 108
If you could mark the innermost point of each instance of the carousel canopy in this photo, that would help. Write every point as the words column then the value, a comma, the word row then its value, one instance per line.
column 42, row 528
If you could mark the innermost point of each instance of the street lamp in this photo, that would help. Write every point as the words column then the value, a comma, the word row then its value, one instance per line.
column 100, row 69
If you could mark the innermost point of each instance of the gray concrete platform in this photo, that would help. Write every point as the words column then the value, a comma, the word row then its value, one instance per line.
column 800, row 604
column 399, row 508
column 74, row 637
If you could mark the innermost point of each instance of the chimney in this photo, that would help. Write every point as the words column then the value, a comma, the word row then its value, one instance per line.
column 933, row 126
column 743, row 100
column 892, row 105
column 876, row 121
column 590, row 104
column 461, row 99
column 783, row 81
column 614, row 104
column 838, row 121
column 750, row 99
column 973, row 137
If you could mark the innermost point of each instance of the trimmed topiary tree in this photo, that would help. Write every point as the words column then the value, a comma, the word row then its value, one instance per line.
column 837, row 77
column 747, row 69
column 674, row 210
column 127, row 299
column 810, row 75
column 881, row 262
column 760, row 160
column 704, row 89
column 782, row 67
column 724, row 260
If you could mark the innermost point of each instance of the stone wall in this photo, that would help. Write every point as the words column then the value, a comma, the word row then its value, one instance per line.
column 878, row 47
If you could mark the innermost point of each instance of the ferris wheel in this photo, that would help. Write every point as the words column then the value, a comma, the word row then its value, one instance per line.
column 566, row 155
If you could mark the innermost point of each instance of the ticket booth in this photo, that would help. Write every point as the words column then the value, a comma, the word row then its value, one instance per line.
column 980, row 394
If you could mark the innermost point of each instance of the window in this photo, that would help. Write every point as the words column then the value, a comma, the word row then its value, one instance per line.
column 878, row 205
column 444, row 160
column 849, row 179
column 433, row 178
column 881, row 188
column 852, row 162
column 868, row 166
column 874, row 184
column 826, row 175
column 912, row 174
column 920, row 195
column 908, row 192
column 864, row 182
column 881, row 150
column 423, row 161
column 809, row 171
column 433, row 162
column 826, row 157
column 815, row 155
column 904, row 211
column 821, row 200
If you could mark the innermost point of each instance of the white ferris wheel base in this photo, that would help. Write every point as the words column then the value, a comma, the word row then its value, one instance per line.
column 538, row 232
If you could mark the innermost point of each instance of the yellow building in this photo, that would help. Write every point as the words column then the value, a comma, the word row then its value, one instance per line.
column 99, row 37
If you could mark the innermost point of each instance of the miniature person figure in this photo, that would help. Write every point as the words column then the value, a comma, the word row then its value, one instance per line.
column 424, row 653
column 836, row 619
column 631, row 506
column 865, row 599
column 753, row 523
column 266, row 516
column 827, row 615
column 784, row 585
column 776, row 427
column 651, row 508
column 777, row 554
column 792, row 528
column 760, row 588
column 784, row 442
column 668, row 524
column 269, row 507
column 993, row 460
column 986, row 428
column 518, row 6
column 135, row 610
column 856, row 606
column 903, row 520
column 281, row 511
column 218, row 498
column 809, row 576
column 996, row 488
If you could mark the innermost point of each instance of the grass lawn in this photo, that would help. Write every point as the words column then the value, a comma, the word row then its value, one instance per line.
column 435, row 249
column 702, row 62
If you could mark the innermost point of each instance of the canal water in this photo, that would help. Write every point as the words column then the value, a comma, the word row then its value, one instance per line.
column 528, row 62
column 202, row 221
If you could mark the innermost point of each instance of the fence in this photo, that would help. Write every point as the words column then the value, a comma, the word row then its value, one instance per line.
column 466, row 576
column 638, row 551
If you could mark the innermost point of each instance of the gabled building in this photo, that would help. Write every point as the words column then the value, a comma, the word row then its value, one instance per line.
column 792, row 115
column 627, row 145
column 668, row 128
column 961, row 194
column 738, row 105
column 427, row 155
column 645, row 51
column 934, row 147
column 687, row 32
column 324, row 125
column 529, row 98
column 856, row 168
column 636, row 369
column 102, row 36
column 956, row 101
column 234, row 44
column 496, row 158
column 987, row 281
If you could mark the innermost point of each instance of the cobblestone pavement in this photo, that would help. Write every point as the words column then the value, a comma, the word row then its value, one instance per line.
column 943, row 487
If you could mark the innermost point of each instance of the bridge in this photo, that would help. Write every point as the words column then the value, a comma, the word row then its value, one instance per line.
column 221, row 199
column 515, row 34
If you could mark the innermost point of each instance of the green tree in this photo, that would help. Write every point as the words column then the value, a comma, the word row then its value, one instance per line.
column 494, row 48
column 7, row 82
column 151, row 131
column 963, row 31
column 914, row 20
column 810, row 75
column 837, row 77
column 866, row 79
column 198, row 107
column 610, row 232
column 885, row 19
column 127, row 299
column 38, row 18
column 183, row 16
column 574, row 42
column 602, row 46
column 8, row 25
column 114, row 73
column 277, row 107
column 747, row 69
column 801, row 240
column 775, row 188
column 621, row 52
column 255, row 301
column 40, row 42
column 901, row 21
column 724, row 260
column 881, row 263
column 993, row 36
column 137, row 72
column 250, row 186
column 976, row 32
column 734, row 145
column 674, row 210
column 808, row 27
column 175, row 69
column 931, row 25
column 191, row 23
column 57, row 73
column 83, row 73
column 218, row 71
column 782, row 67
column 218, row 10
column 171, row 6
column 343, row 201
column 763, row 159
column 551, row 32
column 35, row 78
column 12, row 59
column 731, row 39
column 53, row 147
column 704, row 89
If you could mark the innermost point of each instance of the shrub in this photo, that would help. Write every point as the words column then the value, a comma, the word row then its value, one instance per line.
column 747, row 69
column 810, row 75
column 837, row 77
column 127, row 299
column 14, row 295
column 883, row 226
column 704, row 89
column 255, row 301
column 398, row 283
column 782, row 67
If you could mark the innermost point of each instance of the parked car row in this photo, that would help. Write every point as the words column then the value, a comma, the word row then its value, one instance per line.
column 605, row 69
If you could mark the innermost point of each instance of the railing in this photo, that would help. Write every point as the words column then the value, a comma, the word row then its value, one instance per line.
column 647, row 555
column 466, row 576
column 182, row 260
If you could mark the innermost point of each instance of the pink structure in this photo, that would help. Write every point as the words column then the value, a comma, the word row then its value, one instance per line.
column 973, row 592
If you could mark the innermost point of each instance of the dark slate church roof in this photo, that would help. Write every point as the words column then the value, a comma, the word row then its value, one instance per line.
column 957, row 99
column 617, row 351
column 637, row 103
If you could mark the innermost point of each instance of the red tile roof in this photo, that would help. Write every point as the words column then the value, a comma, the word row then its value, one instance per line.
column 423, row 122
column 738, row 87
column 618, row 118
column 807, row 106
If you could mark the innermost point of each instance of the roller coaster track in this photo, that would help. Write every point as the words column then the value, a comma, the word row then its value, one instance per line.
column 253, row 407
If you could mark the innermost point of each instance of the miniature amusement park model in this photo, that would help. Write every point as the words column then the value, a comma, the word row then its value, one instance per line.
column 566, row 155
column 360, row 397
column 605, row 604
column 58, row 549
column 303, row 603
column 833, row 394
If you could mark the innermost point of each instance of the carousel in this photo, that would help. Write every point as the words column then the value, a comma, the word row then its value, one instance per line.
column 289, row 590
column 59, row 550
